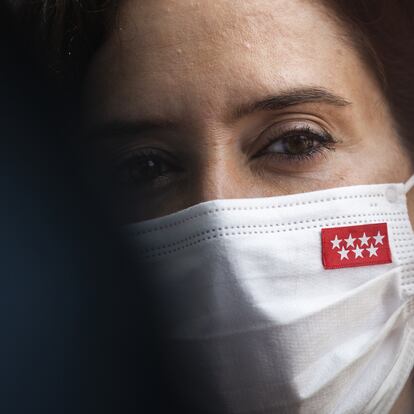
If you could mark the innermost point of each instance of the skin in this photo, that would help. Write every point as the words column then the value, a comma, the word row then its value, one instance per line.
column 182, row 69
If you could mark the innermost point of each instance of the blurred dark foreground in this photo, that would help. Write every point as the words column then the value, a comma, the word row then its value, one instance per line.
column 77, row 330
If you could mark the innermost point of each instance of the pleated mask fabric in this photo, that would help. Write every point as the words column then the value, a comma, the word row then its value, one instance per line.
column 258, row 322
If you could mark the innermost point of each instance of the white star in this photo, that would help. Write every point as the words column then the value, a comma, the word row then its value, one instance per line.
column 344, row 253
column 372, row 250
column 364, row 240
column 358, row 252
column 378, row 238
column 350, row 241
column 336, row 242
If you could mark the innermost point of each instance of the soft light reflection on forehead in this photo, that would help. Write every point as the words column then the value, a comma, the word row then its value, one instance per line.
column 269, row 47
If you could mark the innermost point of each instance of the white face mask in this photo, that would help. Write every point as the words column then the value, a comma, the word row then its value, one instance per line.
column 270, row 313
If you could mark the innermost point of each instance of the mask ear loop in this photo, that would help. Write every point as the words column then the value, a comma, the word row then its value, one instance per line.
column 409, row 184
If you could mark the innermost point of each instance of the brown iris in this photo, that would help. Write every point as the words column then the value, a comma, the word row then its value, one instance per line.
column 298, row 144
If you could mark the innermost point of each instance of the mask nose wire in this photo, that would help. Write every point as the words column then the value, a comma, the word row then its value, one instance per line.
column 409, row 184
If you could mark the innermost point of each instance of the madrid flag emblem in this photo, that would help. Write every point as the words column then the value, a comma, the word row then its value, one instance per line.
column 353, row 246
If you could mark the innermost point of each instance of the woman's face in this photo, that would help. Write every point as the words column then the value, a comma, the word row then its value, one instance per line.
column 198, row 100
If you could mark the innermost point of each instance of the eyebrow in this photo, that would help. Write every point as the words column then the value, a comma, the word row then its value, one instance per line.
column 289, row 98
column 280, row 101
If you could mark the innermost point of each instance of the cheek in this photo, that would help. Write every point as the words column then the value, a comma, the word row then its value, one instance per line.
column 371, row 150
column 368, row 161
column 386, row 160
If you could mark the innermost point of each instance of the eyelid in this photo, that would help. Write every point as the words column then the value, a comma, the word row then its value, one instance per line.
column 282, row 128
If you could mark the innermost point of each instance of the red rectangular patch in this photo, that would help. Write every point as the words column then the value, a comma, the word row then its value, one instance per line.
column 353, row 246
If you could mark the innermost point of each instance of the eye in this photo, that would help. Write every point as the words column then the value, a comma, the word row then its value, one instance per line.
column 146, row 168
column 298, row 143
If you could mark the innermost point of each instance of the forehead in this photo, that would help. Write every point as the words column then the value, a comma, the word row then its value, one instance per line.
column 164, row 56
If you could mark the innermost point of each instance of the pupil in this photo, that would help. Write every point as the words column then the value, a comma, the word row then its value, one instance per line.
column 147, row 169
column 298, row 144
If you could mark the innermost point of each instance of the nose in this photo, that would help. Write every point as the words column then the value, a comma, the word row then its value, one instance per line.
column 218, row 179
column 223, row 172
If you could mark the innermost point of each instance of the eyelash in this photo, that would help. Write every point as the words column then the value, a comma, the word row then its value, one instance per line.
column 325, row 142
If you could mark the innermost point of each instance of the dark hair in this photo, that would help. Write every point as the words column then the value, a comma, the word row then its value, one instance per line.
column 66, row 33
column 70, row 31
column 382, row 31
